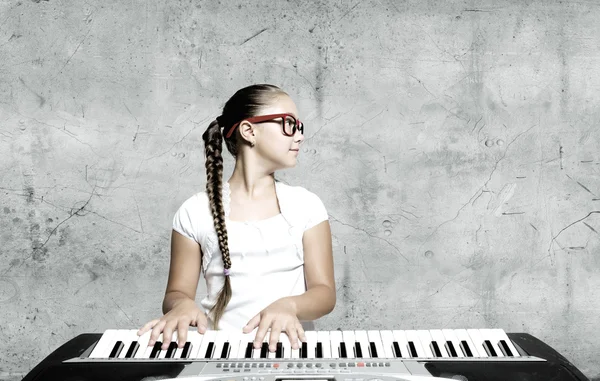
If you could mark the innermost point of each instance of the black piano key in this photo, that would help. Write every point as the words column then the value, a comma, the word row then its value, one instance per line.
column 373, row 350
column 209, row 350
column 412, row 350
column 505, row 349
column 249, row 348
column 343, row 353
column 304, row 351
column 465, row 348
column 319, row 350
column 396, row 349
column 116, row 349
column 264, row 350
column 357, row 350
column 279, row 351
column 435, row 349
column 156, row 350
column 450, row 349
column 133, row 348
column 489, row 348
column 171, row 350
column 225, row 351
column 187, row 349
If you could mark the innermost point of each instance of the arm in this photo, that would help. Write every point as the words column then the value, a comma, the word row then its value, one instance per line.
column 319, row 298
column 184, row 271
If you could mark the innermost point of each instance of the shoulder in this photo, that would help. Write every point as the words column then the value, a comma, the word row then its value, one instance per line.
column 298, row 198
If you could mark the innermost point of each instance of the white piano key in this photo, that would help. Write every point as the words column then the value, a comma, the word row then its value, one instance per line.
column 336, row 338
column 143, row 342
column 375, row 337
column 462, row 335
column 220, row 340
column 105, row 341
column 499, row 334
column 387, row 339
column 413, row 336
column 311, row 343
column 450, row 336
column 163, row 352
column 349, row 340
column 195, row 338
column 401, row 338
column 287, row 346
column 234, row 343
column 425, row 339
column 362, row 338
column 478, row 341
column 209, row 337
column 323, row 338
column 437, row 336
column 487, row 334
column 245, row 338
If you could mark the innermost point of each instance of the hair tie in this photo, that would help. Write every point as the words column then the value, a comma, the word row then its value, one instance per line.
column 226, row 272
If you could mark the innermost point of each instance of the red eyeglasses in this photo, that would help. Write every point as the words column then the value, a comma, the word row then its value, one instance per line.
column 289, row 124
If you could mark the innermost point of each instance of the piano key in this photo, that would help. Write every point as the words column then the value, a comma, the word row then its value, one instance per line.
column 264, row 350
column 505, row 345
column 402, row 339
column 304, row 350
column 452, row 343
column 414, row 344
column 319, row 350
column 349, row 340
column 171, row 350
column 311, row 343
column 438, row 340
column 117, row 349
column 234, row 341
column 343, row 350
column 323, row 338
column 279, row 350
column 286, row 346
column 375, row 338
column 362, row 342
column 144, row 350
column 387, row 338
column 207, row 339
column 398, row 352
column 185, row 351
column 466, row 344
column 425, row 339
column 195, row 339
column 155, row 351
column 256, row 353
column 335, row 338
column 220, row 340
column 130, row 344
column 102, row 346
column 246, row 346
column 271, row 355
column 249, row 350
column 478, row 342
column 490, row 343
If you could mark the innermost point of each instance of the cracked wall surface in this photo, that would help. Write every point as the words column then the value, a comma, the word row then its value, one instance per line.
column 455, row 145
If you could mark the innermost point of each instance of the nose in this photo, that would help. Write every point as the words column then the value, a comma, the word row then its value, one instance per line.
column 298, row 136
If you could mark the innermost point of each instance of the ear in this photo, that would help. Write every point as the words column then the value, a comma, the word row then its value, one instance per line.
column 247, row 130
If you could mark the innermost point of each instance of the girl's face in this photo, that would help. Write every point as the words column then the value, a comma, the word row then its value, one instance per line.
column 279, row 150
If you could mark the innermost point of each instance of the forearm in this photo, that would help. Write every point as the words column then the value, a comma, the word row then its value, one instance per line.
column 172, row 299
column 314, row 303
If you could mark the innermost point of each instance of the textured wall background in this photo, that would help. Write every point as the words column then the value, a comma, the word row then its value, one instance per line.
column 454, row 143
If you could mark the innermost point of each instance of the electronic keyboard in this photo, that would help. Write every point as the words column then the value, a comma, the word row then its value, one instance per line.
column 341, row 355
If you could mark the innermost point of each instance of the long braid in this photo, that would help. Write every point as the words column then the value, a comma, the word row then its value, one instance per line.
column 213, row 142
column 244, row 103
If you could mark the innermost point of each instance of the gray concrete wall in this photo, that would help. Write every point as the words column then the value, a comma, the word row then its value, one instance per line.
column 454, row 143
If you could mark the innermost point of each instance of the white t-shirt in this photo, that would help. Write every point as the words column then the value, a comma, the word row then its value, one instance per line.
column 267, row 257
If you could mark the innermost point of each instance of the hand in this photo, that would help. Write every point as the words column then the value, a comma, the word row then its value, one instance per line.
column 280, row 316
column 183, row 315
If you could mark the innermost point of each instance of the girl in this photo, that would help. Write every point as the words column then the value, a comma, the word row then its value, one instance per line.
column 264, row 247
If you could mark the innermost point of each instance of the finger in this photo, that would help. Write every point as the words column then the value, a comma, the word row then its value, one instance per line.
column 147, row 327
column 274, row 337
column 201, row 322
column 182, row 331
column 263, row 327
column 253, row 323
column 167, row 336
column 156, row 330
column 293, row 336
column 301, row 333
